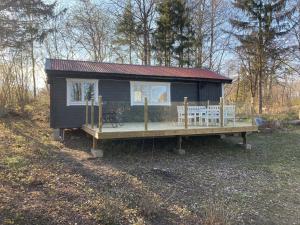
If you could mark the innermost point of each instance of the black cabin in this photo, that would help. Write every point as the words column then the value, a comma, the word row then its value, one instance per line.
column 124, row 86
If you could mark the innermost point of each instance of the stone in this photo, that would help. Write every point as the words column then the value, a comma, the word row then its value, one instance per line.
column 179, row 151
column 222, row 136
column 56, row 135
column 97, row 153
column 246, row 146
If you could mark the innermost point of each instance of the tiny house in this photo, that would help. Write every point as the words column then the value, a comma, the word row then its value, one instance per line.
column 138, row 101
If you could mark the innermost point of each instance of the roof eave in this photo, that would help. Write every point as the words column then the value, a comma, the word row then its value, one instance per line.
column 222, row 80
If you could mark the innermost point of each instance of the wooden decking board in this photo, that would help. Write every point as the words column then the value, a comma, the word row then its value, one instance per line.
column 132, row 130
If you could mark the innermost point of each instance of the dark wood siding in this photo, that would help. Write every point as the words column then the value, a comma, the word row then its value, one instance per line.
column 210, row 91
column 116, row 93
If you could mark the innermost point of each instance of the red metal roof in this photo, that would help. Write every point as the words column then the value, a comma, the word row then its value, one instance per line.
column 129, row 69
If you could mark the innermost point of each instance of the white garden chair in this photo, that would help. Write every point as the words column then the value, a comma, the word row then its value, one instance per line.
column 213, row 115
column 191, row 115
column 201, row 115
column 229, row 114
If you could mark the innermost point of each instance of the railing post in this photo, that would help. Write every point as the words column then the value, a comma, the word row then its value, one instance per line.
column 87, row 112
column 92, row 113
column 185, row 102
column 146, row 113
column 100, row 122
column 222, row 112
column 252, row 111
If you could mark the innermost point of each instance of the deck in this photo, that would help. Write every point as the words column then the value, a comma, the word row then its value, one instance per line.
column 164, row 129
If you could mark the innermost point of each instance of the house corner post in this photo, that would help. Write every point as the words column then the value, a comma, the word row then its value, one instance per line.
column 86, row 112
column 207, row 112
column 146, row 113
column 100, row 113
column 92, row 113
column 185, row 102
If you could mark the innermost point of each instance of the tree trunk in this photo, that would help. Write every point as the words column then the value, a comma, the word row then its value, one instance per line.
column 212, row 33
column 33, row 68
column 260, row 97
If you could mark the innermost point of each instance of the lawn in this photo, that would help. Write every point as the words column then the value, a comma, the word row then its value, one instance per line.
column 143, row 182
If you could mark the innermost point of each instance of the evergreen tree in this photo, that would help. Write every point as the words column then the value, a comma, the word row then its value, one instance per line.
column 21, row 22
column 173, row 36
column 126, row 29
column 263, row 22
column 183, row 32
column 164, row 35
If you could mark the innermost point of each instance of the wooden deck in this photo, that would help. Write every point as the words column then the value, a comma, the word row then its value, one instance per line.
column 164, row 129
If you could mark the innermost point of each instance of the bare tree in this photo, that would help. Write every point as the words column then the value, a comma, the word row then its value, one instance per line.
column 91, row 29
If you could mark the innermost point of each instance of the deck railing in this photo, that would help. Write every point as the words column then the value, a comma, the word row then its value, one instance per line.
column 188, row 114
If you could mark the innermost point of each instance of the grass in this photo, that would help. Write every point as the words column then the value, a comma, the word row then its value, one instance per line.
column 142, row 181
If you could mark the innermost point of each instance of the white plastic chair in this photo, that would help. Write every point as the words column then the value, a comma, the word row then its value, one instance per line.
column 213, row 115
column 229, row 114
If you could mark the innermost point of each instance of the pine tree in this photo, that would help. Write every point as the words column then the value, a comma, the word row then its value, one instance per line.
column 126, row 29
column 174, row 32
column 22, row 21
column 23, row 24
column 164, row 34
column 183, row 31
column 263, row 22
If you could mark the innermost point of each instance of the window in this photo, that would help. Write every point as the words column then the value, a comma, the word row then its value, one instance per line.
column 157, row 93
column 79, row 90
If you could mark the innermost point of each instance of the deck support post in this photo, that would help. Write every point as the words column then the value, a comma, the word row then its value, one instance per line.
column 221, row 112
column 96, row 152
column 87, row 112
column 178, row 149
column 92, row 113
column 244, row 143
column 146, row 113
column 244, row 137
column 185, row 102
column 100, row 114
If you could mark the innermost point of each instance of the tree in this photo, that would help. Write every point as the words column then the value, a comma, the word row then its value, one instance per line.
column 91, row 29
column 145, row 15
column 173, row 33
column 23, row 23
column 126, row 29
column 164, row 33
column 183, row 32
column 262, row 23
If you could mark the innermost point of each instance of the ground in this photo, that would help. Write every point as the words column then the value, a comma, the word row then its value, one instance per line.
column 143, row 182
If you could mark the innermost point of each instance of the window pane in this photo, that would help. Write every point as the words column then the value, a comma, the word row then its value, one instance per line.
column 159, row 94
column 89, row 91
column 76, row 92
column 140, row 91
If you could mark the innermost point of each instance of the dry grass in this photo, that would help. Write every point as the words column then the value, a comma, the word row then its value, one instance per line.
column 141, row 181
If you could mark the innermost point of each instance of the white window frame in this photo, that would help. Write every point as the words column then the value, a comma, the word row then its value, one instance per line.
column 133, row 83
column 82, row 81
